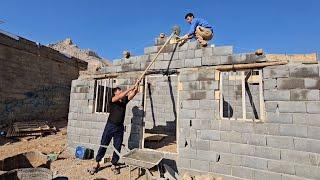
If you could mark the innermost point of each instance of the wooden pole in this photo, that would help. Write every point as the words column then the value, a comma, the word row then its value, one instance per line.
column 249, row 66
column 154, row 59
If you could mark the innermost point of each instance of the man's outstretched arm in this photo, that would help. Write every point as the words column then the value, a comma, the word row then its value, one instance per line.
column 121, row 95
column 133, row 92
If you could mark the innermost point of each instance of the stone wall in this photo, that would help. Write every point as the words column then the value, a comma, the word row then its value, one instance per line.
column 282, row 142
column 35, row 80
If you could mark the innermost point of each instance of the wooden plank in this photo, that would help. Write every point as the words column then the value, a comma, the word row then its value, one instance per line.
column 249, row 66
column 244, row 110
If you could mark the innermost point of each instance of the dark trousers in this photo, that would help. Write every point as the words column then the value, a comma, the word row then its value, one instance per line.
column 115, row 132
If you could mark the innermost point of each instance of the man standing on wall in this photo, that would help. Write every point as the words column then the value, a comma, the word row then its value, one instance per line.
column 114, row 127
column 199, row 28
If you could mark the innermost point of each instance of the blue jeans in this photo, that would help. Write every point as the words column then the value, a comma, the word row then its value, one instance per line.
column 115, row 132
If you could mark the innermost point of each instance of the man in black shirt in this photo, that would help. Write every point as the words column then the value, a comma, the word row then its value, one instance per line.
column 114, row 127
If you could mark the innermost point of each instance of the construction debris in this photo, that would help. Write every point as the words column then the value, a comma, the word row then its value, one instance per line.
column 36, row 128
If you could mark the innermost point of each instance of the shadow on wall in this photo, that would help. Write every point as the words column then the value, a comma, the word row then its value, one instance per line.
column 227, row 109
column 172, row 122
column 135, row 136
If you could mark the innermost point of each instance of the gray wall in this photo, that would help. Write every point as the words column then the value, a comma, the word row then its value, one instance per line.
column 285, row 145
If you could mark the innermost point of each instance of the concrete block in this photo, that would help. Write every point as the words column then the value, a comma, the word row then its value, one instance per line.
column 242, row 127
column 203, row 145
column 209, row 85
column 304, row 95
column 184, row 163
column 269, row 83
column 312, row 83
column 293, row 156
column 300, row 118
column 293, row 107
column 210, row 135
column 226, row 60
column 207, row 156
column 280, row 142
column 207, row 104
column 314, row 132
column 190, row 54
column 313, row 119
column 220, row 146
column 313, row 107
column 265, row 175
column 254, row 162
column 254, row 139
column 276, row 72
column 281, row 167
column 200, row 165
column 267, row 152
column 283, row 118
column 242, row 149
column 231, row 136
column 276, row 95
column 208, row 51
column 220, row 168
column 170, row 56
column 176, row 64
column 312, row 172
column 293, row 130
column 210, row 60
column 290, row 83
column 187, row 114
column 193, row 85
column 150, row 50
column 242, row 172
column 189, row 63
column 189, row 104
column 271, row 106
column 222, row 50
column 204, row 114
column 198, row 53
column 304, row 71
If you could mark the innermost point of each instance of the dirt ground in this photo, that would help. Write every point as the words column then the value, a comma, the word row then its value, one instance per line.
column 66, row 165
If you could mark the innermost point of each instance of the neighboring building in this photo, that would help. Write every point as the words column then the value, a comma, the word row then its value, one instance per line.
column 241, row 116
column 94, row 61
column 35, row 80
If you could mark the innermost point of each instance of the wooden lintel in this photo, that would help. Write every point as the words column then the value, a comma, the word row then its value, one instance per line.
column 249, row 66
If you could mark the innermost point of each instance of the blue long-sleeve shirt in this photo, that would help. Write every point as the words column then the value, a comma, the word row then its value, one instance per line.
column 198, row 22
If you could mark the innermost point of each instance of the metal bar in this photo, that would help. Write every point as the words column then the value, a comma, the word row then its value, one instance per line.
column 96, row 98
column 104, row 94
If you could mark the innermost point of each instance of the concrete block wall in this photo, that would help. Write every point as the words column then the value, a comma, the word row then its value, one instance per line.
column 283, row 146
column 35, row 80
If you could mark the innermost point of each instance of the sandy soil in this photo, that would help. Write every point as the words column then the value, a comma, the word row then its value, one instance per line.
column 66, row 165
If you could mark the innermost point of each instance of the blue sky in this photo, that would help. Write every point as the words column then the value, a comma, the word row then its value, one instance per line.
column 109, row 27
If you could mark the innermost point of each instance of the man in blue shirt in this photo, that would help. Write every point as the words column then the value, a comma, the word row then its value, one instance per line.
column 200, row 29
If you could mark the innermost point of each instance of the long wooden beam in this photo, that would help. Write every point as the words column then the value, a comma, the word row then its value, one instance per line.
column 249, row 66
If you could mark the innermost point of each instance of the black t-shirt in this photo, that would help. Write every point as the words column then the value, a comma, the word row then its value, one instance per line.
column 118, row 111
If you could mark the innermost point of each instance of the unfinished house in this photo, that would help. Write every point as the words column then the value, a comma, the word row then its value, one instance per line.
column 241, row 116
column 35, row 80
